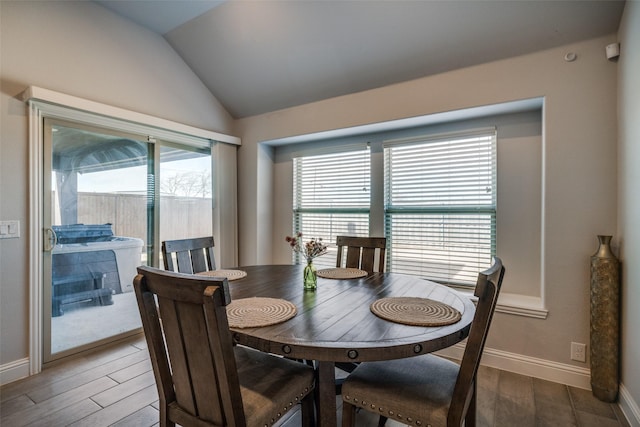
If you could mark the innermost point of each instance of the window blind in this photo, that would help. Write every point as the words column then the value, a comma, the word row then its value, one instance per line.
column 440, row 205
column 331, row 197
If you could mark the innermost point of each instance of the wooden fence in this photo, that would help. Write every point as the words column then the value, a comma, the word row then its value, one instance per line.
column 180, row 217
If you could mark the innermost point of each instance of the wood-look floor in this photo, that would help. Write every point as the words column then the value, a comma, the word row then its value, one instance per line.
column 115, row 387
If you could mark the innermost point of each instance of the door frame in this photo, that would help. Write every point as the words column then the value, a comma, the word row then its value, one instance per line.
column 46, row 103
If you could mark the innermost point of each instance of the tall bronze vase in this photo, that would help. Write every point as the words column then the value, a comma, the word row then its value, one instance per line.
column 605, row 322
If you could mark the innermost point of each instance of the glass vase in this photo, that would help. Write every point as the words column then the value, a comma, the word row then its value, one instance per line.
column 310, row 277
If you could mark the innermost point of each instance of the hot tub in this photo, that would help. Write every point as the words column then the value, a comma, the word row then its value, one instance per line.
column 93, row 249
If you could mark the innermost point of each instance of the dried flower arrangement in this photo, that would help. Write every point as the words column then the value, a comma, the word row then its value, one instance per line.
column 310, row 250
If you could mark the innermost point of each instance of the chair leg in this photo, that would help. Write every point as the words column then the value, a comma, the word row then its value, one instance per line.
column 348, row 415
column 316, row 395
column 382, row 421
column 164, row 416
column 470, row 417
column 307, row 406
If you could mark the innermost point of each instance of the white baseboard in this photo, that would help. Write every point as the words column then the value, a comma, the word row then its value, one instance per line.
column 629, row 407
column 530, row 366
column 13, row 371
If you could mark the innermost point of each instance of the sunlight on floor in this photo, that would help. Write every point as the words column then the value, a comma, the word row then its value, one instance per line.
column 85, row 322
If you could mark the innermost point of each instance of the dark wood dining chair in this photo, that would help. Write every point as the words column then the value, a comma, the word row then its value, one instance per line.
column 203, row 379
column 191, row 255
column 361, row 252
column 427, row 390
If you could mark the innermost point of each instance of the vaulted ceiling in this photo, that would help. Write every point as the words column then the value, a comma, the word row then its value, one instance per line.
column 257, row 56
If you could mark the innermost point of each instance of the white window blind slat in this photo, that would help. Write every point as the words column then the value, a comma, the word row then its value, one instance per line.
column 331, row 197
column 440, row 205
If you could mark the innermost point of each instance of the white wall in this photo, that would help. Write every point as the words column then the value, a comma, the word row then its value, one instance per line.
column 629, row 198
column 81, row 49
column 579, row 171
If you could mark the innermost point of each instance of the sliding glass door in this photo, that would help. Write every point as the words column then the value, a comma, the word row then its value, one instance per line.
column 110, row 198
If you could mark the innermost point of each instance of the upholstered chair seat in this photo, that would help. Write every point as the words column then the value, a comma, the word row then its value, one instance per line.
column 260, row 375
column 397, row 388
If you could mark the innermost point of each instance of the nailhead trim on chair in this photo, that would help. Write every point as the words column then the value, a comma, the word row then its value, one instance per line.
column 286, row 408
column 362, row 404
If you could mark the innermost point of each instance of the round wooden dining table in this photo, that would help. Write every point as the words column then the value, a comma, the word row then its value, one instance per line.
column 335, row 323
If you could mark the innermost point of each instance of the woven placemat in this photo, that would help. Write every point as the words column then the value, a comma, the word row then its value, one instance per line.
column 415, row 311
column 341, row 273
column 229, row 274
column 259, row 311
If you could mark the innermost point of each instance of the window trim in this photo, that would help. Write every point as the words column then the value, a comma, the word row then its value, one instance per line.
column 57, row 105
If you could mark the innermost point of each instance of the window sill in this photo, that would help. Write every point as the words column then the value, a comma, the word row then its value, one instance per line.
column 519, row 305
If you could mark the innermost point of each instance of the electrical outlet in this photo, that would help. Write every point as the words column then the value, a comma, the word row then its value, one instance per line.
column 578, row 352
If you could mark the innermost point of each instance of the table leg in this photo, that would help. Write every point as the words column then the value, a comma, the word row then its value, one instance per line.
column 326, row 389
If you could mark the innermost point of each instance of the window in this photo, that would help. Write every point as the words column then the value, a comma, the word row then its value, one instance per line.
column 331, row 197
column 440, row 205
column 506, row 220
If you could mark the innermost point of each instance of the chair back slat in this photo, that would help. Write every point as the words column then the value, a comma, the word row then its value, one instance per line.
column 361, row 252
column 199, row 260
column 198, row 396
column 192, row 255
column 353, row 257
column 368, row 259
column 183, row 262
column 221, row 350
column 156, row 345
column 176, row 350
column 487, row 290
column 199, row 378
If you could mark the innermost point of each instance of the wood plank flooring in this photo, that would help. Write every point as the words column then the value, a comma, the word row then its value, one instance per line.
column 115, row 387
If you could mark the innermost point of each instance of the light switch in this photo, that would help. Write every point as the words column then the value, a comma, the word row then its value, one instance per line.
column 9, row 229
